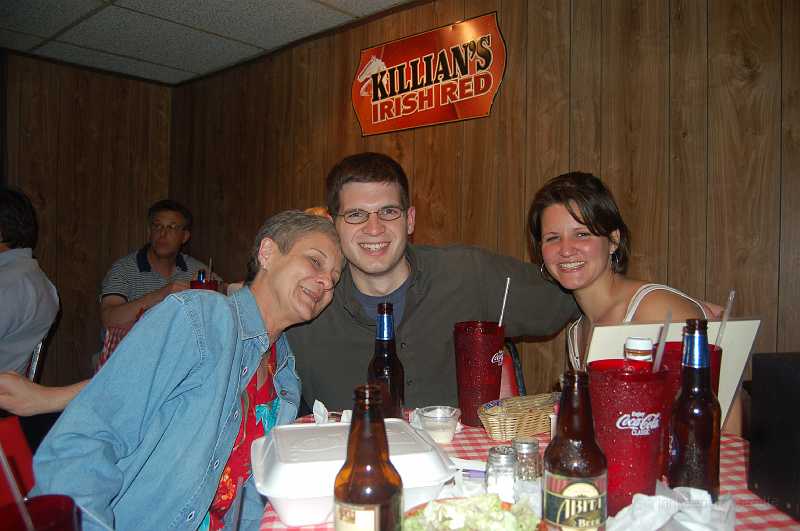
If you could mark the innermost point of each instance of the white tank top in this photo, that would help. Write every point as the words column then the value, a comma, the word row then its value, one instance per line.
column 633, row 305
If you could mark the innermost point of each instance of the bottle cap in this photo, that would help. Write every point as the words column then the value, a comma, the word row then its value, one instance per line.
column 525, row 445
column 639, row 343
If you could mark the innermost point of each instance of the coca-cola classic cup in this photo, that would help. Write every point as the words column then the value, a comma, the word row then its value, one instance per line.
column 630, row 412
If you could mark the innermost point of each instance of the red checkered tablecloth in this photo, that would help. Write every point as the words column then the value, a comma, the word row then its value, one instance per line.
column 751, row 511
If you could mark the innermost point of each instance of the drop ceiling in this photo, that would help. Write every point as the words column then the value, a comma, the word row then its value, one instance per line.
column 170, row 41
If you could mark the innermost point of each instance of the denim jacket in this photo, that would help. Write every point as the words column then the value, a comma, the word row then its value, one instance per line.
column 144, row 444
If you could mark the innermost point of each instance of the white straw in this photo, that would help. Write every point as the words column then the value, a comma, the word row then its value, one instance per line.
column 725, row 315
column 505, row 296
column 14, row 488
column 662, row 341
column 210, row 267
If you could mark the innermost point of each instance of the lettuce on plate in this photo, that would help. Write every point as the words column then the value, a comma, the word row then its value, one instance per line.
column 476, row 513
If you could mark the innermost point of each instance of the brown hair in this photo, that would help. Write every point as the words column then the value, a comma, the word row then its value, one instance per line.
column 365, row 167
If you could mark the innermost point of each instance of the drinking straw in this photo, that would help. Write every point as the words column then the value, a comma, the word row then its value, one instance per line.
column 210, row 267
column 14, row 488
column 662, row 341
column 725, row 315
column 505, row 296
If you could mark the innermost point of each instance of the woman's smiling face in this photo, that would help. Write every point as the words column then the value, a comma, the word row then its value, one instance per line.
column 573, row 256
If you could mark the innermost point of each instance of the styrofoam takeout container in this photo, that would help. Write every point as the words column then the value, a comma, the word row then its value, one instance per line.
column 296, row 466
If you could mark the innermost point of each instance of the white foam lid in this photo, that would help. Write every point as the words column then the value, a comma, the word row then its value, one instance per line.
column 302, row 460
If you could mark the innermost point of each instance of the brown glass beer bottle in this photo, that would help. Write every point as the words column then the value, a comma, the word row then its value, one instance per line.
column 368, row 491
column 575, row 471
column 695, row 420
column 385, row 369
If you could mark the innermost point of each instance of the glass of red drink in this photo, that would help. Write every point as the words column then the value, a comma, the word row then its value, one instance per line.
column 211, row 284
column 630, row 412
column 51, row 512
column 479, row 362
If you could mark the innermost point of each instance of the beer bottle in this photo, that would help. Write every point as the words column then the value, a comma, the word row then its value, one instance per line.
column 575, row 472
column 385, row 369
column 695, row 420
column 368, row 491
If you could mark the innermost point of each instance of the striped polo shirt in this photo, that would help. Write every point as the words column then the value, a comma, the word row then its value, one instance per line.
column 131, row 277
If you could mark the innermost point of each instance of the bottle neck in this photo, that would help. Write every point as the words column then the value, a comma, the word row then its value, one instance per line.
column 575, row 409
column 367, row 424
column 384, row 331
column 696, row 370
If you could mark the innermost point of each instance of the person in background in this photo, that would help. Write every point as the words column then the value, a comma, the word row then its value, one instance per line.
column 28, row 300
column 430, row 287
column 161, row 436
column 144, row 278
column 583, row 244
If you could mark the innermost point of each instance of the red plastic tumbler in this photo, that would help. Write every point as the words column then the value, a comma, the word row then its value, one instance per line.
column 479, row 362
column 630, row 411
column 51, row 512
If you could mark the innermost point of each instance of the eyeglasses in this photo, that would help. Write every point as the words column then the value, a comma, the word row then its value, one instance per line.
column 170, row 229
column 358, row 216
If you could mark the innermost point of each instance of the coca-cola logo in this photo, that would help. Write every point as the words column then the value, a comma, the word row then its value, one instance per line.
column 639, row 422
column 497, row 359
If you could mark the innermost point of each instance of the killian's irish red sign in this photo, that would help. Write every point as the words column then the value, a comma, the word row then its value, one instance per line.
column 447, row 74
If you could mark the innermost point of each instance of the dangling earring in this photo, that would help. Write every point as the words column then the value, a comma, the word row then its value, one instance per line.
column 545, row 274
column 614, row 260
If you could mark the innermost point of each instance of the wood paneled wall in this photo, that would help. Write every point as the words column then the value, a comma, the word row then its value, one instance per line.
column 687, row 109
column 92, row 151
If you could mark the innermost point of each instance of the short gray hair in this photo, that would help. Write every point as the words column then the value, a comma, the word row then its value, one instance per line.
column 285, row 228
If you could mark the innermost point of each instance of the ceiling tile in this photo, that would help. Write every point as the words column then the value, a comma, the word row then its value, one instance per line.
column 361, row 8
column 104, row 61
column 124, row 32
column 18, row 41
column 43, row 17
column 265, row 23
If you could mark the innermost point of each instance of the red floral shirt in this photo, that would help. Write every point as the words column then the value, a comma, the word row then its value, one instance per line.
column 259, row 414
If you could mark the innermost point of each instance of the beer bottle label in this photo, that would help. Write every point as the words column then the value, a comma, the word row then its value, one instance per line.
column 385, row 327
column 357, row 517
column 576, row 503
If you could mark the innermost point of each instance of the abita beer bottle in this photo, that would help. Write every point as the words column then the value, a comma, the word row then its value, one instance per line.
column 695, row 421
column 575, row 472
column 368, row 491
column 385, row 369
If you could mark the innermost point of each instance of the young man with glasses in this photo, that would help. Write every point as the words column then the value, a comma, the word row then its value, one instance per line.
column 430, row 287
column 144, row 278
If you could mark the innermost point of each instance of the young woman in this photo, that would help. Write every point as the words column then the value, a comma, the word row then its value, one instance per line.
column 583, row 244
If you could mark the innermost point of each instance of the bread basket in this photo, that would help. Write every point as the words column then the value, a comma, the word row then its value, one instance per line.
column 510, row 417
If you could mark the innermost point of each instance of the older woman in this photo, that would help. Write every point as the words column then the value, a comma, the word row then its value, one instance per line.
column 584, row 245
column 160, row 437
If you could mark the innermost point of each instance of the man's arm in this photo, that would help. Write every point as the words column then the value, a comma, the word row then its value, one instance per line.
column 20, row 396
column 116, row 311
column 534, row 307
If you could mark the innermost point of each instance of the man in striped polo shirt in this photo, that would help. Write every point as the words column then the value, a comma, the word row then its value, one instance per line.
column 144, row 278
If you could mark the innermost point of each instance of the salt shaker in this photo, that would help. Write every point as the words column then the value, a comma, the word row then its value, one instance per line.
column 528, row 473
column 500, row 472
